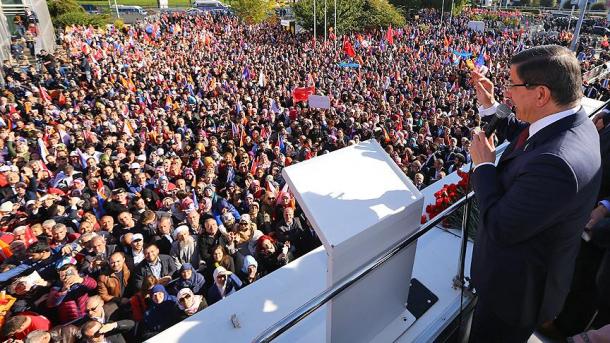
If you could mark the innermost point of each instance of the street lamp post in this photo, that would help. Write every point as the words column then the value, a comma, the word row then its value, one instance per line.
column 442, row 13
column 583, row 9
column 314, row 22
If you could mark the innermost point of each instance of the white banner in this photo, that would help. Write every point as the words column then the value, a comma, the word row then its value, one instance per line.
column 319, row 101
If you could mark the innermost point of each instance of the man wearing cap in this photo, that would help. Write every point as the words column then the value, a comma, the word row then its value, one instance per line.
column 184, row 248
column 135, row 253
column 24, row 192
column 118, row 203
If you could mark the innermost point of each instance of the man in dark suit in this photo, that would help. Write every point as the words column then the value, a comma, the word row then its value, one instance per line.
column 161, row 266
column 588, row 292
column 535, row 203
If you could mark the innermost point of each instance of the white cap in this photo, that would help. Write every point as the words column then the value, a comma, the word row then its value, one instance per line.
column 160, row 152
column 6, row 206
column 134, row 165
column 137, row 236
column 180, row 229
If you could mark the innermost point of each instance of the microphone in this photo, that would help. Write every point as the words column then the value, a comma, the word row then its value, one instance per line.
column 502, row 112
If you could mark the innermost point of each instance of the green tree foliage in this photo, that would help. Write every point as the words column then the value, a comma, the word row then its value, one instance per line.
column 59, row 7
column 69, row 12
column 253, row 11
column 80, row 18
column 598, row 6
column 352, row 15
column 548, row 3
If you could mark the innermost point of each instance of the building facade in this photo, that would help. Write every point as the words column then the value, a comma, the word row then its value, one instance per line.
column 14, row 16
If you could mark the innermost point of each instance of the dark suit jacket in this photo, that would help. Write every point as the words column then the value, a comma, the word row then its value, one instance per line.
column 533, row 207
column 143, row 269
column 604, row 142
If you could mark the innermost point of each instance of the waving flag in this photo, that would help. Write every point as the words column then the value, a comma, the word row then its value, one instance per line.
column 389, row 35
column 280, row 143
column 44, row 152
column 481, row 58
column 302, row 93
column 246, row 73
column 348, row 48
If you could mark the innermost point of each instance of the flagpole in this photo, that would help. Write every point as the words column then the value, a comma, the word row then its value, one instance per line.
column 324, row 21
column 314, row 22
column 336, row 31
column 451, row 14
column 442, row 13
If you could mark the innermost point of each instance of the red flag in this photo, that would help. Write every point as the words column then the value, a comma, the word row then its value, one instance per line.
column 348, row 48
column 254, row 166
column 44, row 95
column 302, row 93
column 389, row 36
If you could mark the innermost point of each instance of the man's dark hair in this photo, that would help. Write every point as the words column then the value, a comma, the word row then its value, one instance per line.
column 88, row 326
column 38, row 247
column 150, row 245
column 12, row 325
column 553, row 66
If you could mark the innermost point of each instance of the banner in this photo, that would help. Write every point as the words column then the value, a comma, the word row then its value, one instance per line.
column 319, row 101
column 348, row 65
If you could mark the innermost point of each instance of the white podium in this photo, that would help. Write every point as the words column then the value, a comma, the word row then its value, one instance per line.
column 360, row 203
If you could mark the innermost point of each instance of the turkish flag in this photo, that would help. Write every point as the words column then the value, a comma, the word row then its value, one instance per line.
column 302, row 93
column 348, row 48
column 389, row 36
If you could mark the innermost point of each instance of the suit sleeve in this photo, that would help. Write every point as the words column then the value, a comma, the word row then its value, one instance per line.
column 601, row 233
column 536, row 197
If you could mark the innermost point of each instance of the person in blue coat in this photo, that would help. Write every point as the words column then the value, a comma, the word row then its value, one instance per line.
column 162, row 313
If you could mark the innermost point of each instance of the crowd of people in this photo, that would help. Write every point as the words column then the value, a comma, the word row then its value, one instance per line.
column 140, row 167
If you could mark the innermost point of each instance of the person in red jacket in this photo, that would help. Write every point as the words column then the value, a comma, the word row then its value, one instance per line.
column 70, row 297
column 19, row 326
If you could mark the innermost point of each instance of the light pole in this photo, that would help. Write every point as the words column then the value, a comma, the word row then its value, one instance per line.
column 583, row 9
column 324, row 21
column 442, row 13
column 451, row 14
column 116, row 7
column 336, row 31
column 314, row 22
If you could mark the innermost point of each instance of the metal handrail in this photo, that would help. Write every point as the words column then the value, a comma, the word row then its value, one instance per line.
column 318, row 301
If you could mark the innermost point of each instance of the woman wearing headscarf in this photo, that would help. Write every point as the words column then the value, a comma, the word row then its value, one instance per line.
column 191, row 279
column 189, row 303
column 162, row 312
column 249, row 270
column 225, row 284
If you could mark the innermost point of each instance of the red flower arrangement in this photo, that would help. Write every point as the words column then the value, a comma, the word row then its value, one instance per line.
column 446, row 196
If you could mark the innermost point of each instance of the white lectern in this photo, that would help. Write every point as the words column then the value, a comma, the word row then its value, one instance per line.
column 360, row 203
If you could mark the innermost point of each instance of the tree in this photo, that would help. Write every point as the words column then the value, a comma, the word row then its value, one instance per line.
column 598, row 6
column 69, row 12
column 352, row 15
column 253, row 11
column 59, row 7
